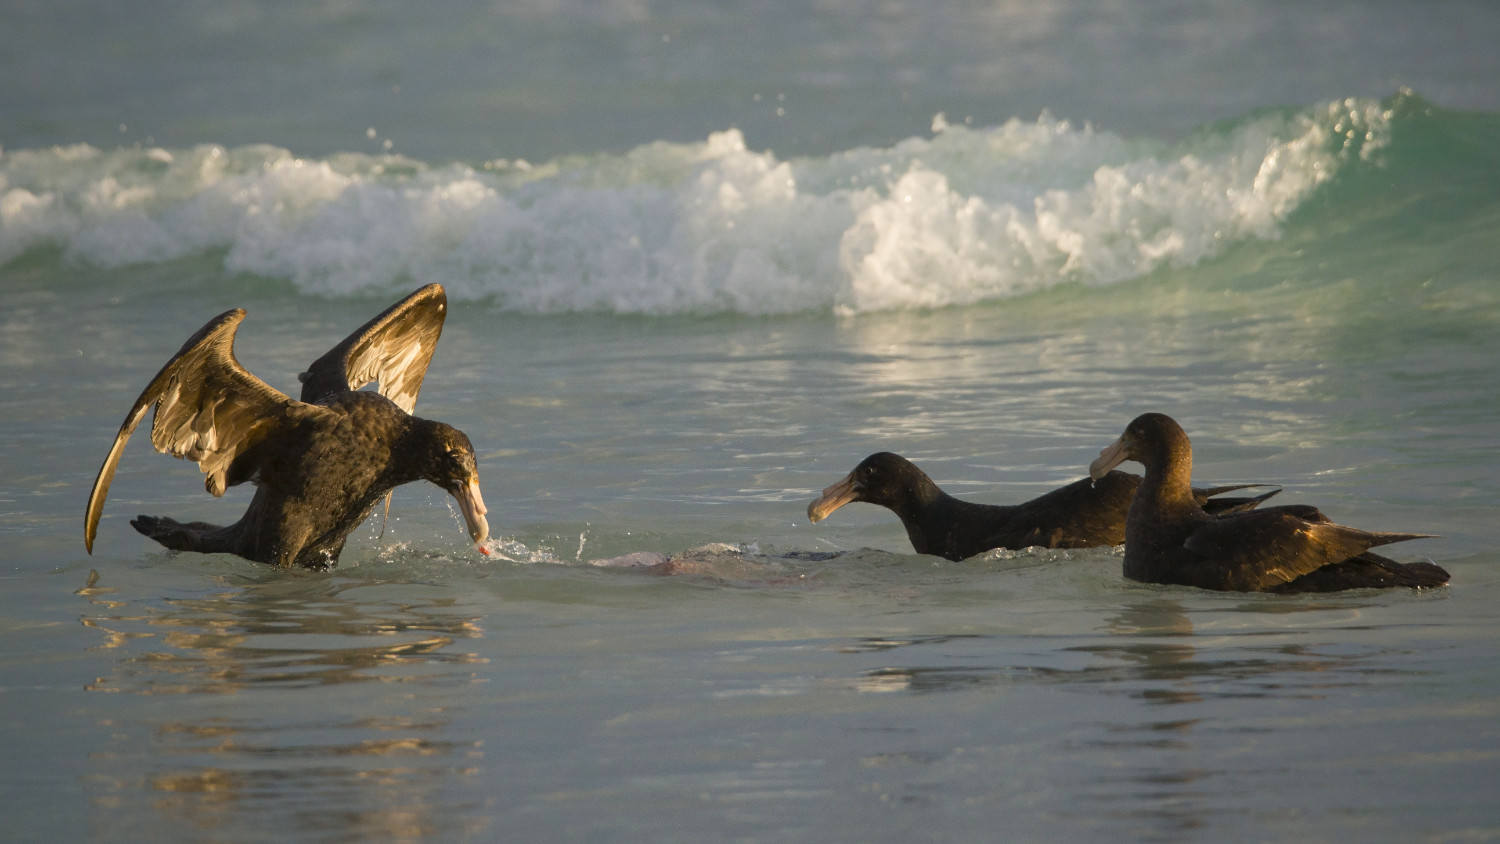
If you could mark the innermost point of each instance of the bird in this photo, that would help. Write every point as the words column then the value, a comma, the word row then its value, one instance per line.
column 319, row 463
column 1170, row 539
column 1083, row 514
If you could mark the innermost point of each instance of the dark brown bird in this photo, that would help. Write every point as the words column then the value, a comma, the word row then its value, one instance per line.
column 1170, row 539
column 320, row 464
column 1083, row 514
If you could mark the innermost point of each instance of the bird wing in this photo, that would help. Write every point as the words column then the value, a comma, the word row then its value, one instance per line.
column 209, row 409
column 1211, row 502
column 1276, row 545
column 392, row 350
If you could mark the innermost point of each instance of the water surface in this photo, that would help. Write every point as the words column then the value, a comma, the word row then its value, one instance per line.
column 669, row 333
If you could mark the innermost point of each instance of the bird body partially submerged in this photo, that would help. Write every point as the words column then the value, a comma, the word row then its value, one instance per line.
column 319, row 464
column 1083, row 514
column 1169, row 538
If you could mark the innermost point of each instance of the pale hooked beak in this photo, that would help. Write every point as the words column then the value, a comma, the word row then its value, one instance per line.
column 833, row 498
column 471, row 503
column 1113, row 455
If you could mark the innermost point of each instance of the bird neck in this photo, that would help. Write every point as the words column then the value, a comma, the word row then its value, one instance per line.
column 1169, row 474
column 927, row 513
column 419, row 445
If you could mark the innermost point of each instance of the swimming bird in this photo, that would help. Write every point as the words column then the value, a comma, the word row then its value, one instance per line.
column 1294, row 548
column 1082, row 514
column 319, row 464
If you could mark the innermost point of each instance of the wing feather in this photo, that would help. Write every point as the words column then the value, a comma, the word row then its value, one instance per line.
column 391, row 350
column 1277, row 545
column 209, row 410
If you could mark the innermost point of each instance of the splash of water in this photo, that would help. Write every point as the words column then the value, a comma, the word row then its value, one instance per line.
column 963, row 216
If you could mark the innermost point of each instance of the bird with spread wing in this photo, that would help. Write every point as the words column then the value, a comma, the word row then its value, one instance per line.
column 319, row 463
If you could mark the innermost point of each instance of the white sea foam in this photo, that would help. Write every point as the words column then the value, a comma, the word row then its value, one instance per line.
column 966, row 215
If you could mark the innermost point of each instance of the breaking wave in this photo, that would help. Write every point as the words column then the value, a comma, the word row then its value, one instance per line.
column 963, row 216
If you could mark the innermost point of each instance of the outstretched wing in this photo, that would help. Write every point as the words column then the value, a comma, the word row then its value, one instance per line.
column 208, row 410
column 393, row 350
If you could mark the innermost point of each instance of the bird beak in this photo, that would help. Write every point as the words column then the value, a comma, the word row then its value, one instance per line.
column 1113, row 455
column 833, row 498
column 472, row 505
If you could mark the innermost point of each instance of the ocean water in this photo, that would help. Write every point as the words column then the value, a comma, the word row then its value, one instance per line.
column 702, row 259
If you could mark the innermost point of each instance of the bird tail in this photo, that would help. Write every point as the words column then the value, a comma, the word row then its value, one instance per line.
column 1368, row 571
column 1422, row 575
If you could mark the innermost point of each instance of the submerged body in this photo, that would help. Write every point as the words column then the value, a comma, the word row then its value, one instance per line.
column 319, row 464
column 1169, row 538
column 1084, row 514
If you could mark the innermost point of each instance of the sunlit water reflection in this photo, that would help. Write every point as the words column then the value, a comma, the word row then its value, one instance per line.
column 660, row 647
